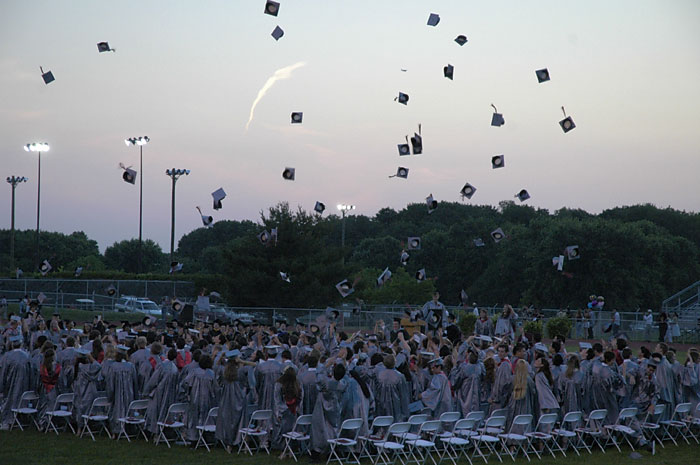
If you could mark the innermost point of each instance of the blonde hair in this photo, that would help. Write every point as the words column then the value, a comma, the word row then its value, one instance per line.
column 520, row 380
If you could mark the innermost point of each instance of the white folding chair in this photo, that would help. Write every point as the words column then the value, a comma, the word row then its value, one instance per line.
column 692, row 421
column 447, row 424
column 494, row 425
column 621, row 428
column 543, row 432
column 476, row 415
column 375, row 434
column 99, row 414
column 567, row 433
column 62, row 408
column 298, row 434
column 256, row 431
column 135, row 418
column 347, row 440
column 424, row 445
column 650, row 427
column 415, row 421
column 456, row 445
column 387, row 450
column 26, row 406
column 675, row 426
column 502, row 412
column 209, row 427
column 593, row 429
column 174, row 421
column 516, row 436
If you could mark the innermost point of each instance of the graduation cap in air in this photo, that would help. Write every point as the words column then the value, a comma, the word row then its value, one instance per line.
column 78, row 271
column 41, row 298
column 420, row 275
column 463, row 297
column 567, row 124
column 384, row 277
column 523, row 195
column 273, row 235
column 433, row 19
column 297, row 117
column 404, row 149
column 111, row 290
column 572, row 252
column 498, row 161
column 461, row 39
column 448, row 71
column 558, row 262
column 498, row 235
column 45, row 267
column 345, row 288
column 542, row 75
column 175, row 267
column 401, row 172
column 319, row 207
column 431, row 202
column 413, row 243
column 497, row 118
column 404, row 257
column 128, row 175
column 272, row 8
column 468, row 191
column 177, row 305
column 218, row 196
column 417, row 142
column 207, row 221
column 264, row 237
column 47, row 76
column 288, row 174
column 402, row 98
column 285, row 276
column 277, row 33
column 104, row 47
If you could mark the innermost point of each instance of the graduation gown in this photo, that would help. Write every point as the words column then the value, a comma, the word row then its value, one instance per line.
column 326, row 416
column 283, row 416
column 528, row 405
column 355, row 404
column 307, row 380
column 647, row 393
column 122, row 383
column 502, row 386
column 604, row 386
column 266, row 375
column 85, row 389
column 666, row 384
column 571, row 392
column 232, row 410
column 161, row 392
column 391, row 391
column 484, row 328
column 201, row 392
column 690, row 380
column 15, row 378
column 545, row 396
column 438, row 396
column 138, row 358
column 66, row 358
column 467, row 382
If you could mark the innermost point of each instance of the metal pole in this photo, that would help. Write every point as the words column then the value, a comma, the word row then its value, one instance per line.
column 38, row 205
column 342, row 237
column 140, row 208
column 172, row 221
column 12, row 233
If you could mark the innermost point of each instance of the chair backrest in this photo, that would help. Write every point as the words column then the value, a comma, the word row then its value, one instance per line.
column 465, row 424
column 211, row 416
column 597, row 415
column 382, row 422
column 450, row 417
column 501, row 412
column 261, row 415
column 303, row 420
column 176, row 412
column 478, row 416
column 137, row 408
column 100, row 405
column 495, row 422
column 64, row 402
column 659, row 409
column 28, row 399
column 350, row 427
column 521, row 423
column 546, row 422
column 626, row 413
column 432, row 426
column 682, row 408
column 417, row 420
column 398, row 428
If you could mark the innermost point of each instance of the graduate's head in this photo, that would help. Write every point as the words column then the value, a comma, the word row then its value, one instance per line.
column 556, row 346
column 519, row 350
column 286, row 354
column 172, row 354
column 196, row 355
column 502, row 351
column 389, row 362
column 571, row 366
column 557, row 360
column 376, row 359
column 662, row 348
column 598, row 348
column 626, row 353
column 590, row 354
column 141, row 342
column 644, row 351
column 312, row 359
column 156, row 348
column 483, row 315
column 436, row 296
column 608, row 357
column 339, row 371
column 70, row 341
column 205, row 362
column 621, row 343
column 473, row 358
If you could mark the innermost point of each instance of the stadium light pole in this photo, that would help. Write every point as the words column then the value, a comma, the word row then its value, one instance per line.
column 343, row 209
column 140, row 141
column 174, row 175
column 37, row 147
column 13, row 180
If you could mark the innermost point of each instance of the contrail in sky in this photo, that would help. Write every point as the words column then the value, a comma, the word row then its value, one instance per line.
column 283, row 73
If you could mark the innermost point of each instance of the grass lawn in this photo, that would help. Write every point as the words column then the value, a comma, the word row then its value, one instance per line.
column 32, row 447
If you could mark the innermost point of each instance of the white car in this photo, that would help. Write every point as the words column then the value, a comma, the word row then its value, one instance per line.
column 138, row 304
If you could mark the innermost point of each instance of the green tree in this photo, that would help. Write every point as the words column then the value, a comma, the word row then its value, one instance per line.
column 123, row 256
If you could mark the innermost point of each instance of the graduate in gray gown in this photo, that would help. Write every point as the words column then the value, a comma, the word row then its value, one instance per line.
column 466, row 380
column 665, row 381
column 438, row 396
column 122, row 383
column 390, row 392
column 604, row 386
column 690, row 379
column 570, row 386
column 287, row 405
column 48, row 374
column 307, row 380
column 630, row 372
column 161, row 391
column 15, row 378
column 487, row 381
column 543, row 383
column 523, row 400
column 503, row 381
column 201, row 392
column 326, row 416
column 139, row 358
column 66, row 358
column 266, row 375
column 87, row 377
column 232, row 402
column 356, row 400
column 484, row 325
column 146, row 367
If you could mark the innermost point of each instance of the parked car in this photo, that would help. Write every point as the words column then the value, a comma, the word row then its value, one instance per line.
column 137, row 304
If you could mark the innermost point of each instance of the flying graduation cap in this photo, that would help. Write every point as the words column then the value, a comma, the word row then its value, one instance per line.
column 264, row 237
column 433, row 19
column 47, row 76
column 461, row 40
column 523, row 195
column 497, row 118
column 498, row 161
column 402, row 98
column 567, row 124
column 401, row 172
column 277, row 33
column 297, row 117
column 384, row 277
column 404, row 149
column 111, row 290
column 572, row 252
column 104, row 47
column 128, row 175
column 206, row 220
column 175, row 267
column 463, row 297
column 45, row 267
column 285, row 276
column 404, row 257
column 542, row 75
column 344, row 288
column 479, row 242
column 420, row 275
column 272, row 8
column 273, row 235
column 288, row 174
column 319, row 208
column 413, row 243
column 78, row 271
column 467, row 191
column 417, row 142
column 497, row 235
column 448, row 71
column 431, row 202
column 218, row 196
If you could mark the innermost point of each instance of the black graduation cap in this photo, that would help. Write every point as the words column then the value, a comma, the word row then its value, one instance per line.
column 448, row 71
column 467, row 191
column 461, row 39
column 45, row 267
column 431, row 202
column 463, row 297
column 402, row 98
column 404, row 149
column 78, row 271
column 297, row 117
column 567, row 124
column 277, row 33
column 319, row 207
column 288, row 174
column 401, row 172
column 128, row 175
column 175, row 267
column 285, row 276
column 497, row 118
column 111, row 290
column 218, row 196
column 523, row 195
column 572, row 252
column 207, row 221
column 404, row 257
column 48, row 76
column 542, row 75
column 272, row 8
column 413, row 243
column 104, row 47
column 498, row 161
column 264, row 237
column 433, row 19
column 420, row 275
column 498, row 235
column 417, row 142
column 345, row 288
column 384, row 277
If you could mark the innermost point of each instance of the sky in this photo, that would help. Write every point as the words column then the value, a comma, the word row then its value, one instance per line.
column 186, row 74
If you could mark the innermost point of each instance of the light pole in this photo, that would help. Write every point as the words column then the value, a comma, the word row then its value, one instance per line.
column 13, row 180
column 37, row 147
column 344, row 208
column 174, row 175
column 140, row 141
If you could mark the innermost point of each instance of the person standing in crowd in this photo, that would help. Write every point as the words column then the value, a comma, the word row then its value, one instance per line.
column 326, row 416
column 503, row 381
column 435, row 309
column 505, row 326
column 232, row 402
column 287, row 404
column 483, row 325
column 648, row 324
column 674, row 328
column 161, row 391
column 545, row 385
column 467, row 384
column 523, row 399
column 121, row 383
column 438, row 396
column 201, row 392
column 615, row 323
column 390, row 391
column 15, row 378
column 663, row 326
column 570, row 386
column 85, row 386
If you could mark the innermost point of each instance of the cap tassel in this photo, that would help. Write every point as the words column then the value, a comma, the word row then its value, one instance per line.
column 419, row 126
column 495, row 110
column 563, row 111
column 121, row 165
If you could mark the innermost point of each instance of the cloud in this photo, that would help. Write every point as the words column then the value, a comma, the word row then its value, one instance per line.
column 282, row 73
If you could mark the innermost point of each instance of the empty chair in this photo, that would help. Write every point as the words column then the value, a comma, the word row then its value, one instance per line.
column 209, row 427
column 675, row 426
column 494, row 425
column 62, row 409
column 478, row 417
column 415, row 421
column 346, row 440
column 26, row 406
column 516, row 436
column 299, row 435
column 174, row 421
column 99, row 414
column 567, row 434
column 593, row 429
column 621, row 428
column 456, row 445
column 257, row 432
column 543, row 432
column 376, row 433
column 421, row 449
column 135, row 418
column 692, row 421
column 650, row 425
column 447, row 423
column 388, row 449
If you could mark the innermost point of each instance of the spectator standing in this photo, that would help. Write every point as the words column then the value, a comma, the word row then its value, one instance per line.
column 663, row 326
column 648, row 324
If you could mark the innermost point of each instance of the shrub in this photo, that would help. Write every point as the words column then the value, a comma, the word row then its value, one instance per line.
column 533, row 327
column 466, row 322
column 560, row 325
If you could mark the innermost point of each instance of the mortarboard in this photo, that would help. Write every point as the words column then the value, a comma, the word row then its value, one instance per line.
column 436, row 361
column 47, row 76
column 542, row 75
column 345, row 288
column 479, row 242
column 272, row 8
column 433, row 19
column 461, row 39
column 319, row 207
column 497, row 118
column 431, row 203
column 497, row 235
column 232, row 353
column 273, row 235
column 111, row 290
column 285, row 277
column 104, row 47
column 218, row 196
column 467, row 191
column 277, row 33
column 207, row 221
column 82, row 351
column 384, row 277
column 402, row 98
column 584, row 345
column 41, row 298
column 572, row 252
column 175, row 267
column 498, row 161
column 463, row 297
column 523, row 195
column 45, row 267
column 420, row 275
column 448, row 71
column 567, row 124
column 264, row 237
column 401, row 172
column 417, row 142
column 485, row 338
column 414, row 243
column 15, row 318
column 288, row 174
column 404, row 149
column 123, row 348
column 129, row 175
column 415, row 407
column 541, row 347
column 404, row 257
column 177, row 305
column 297, row 117
column 78, row 271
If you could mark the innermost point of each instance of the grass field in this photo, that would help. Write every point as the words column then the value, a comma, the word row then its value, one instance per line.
column 31, row 447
